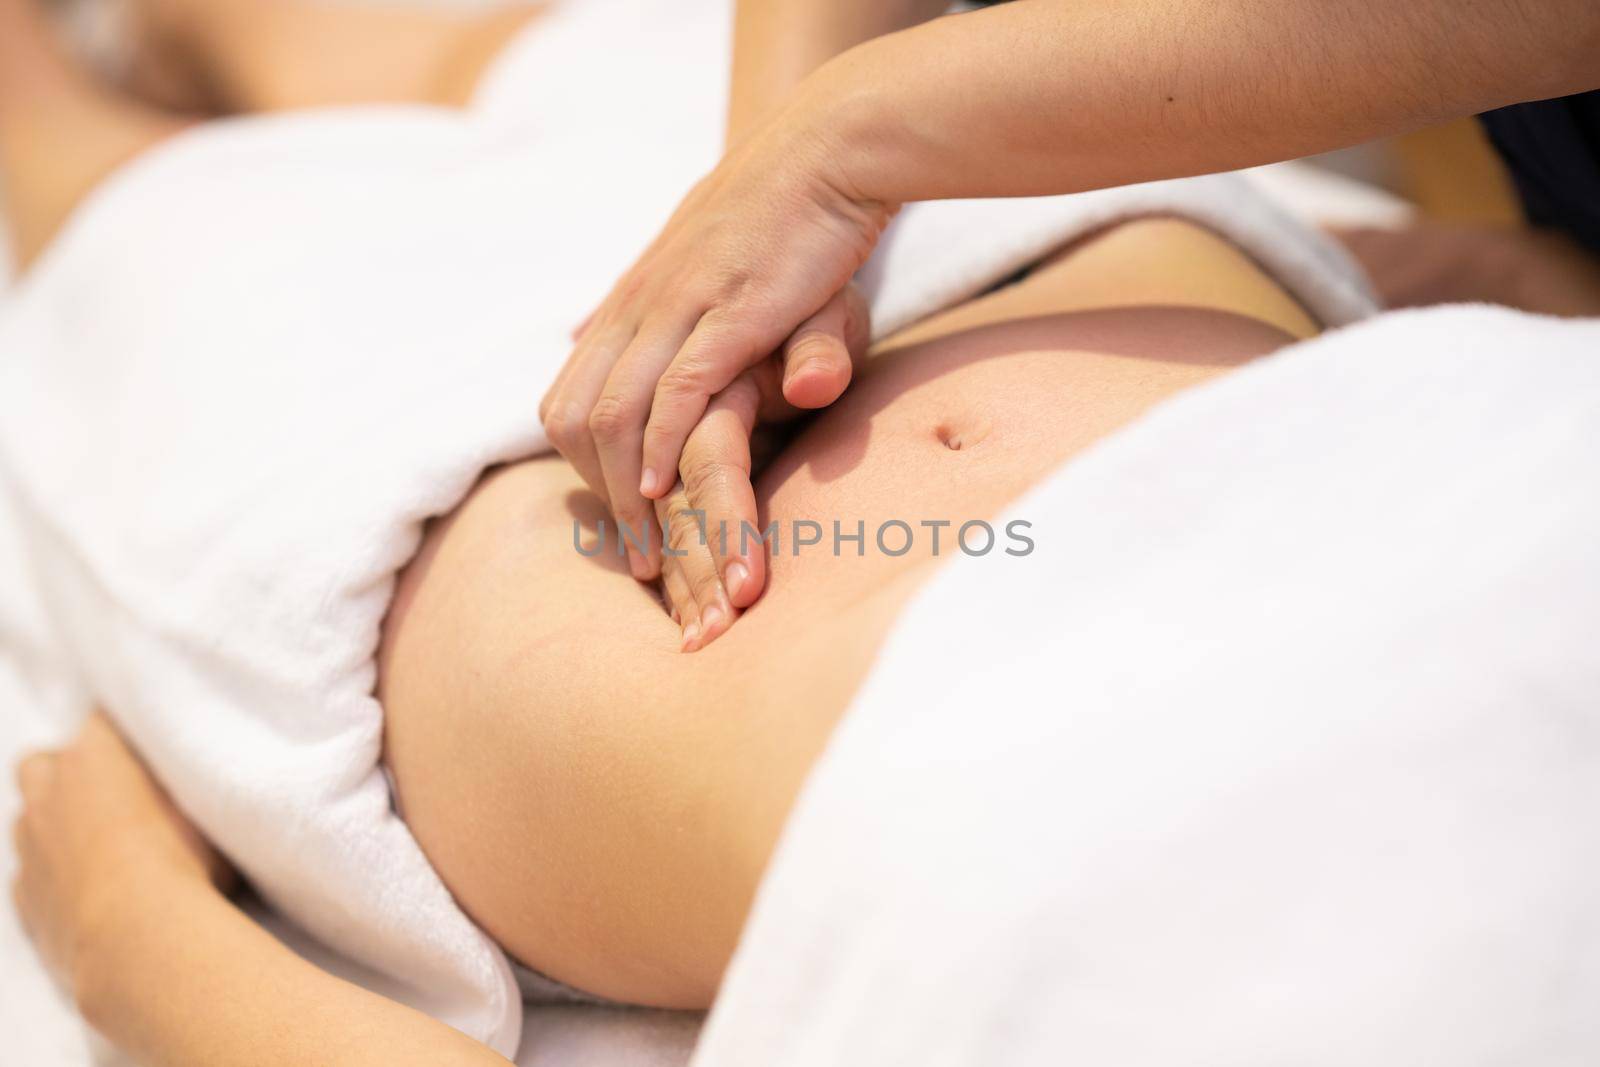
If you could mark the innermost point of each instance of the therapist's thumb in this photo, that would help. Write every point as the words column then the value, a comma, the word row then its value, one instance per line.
column 819, row 357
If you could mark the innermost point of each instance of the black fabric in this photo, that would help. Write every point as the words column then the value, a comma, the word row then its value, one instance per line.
column 1553, row 150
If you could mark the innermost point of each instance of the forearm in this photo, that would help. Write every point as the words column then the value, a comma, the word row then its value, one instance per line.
column 177, row 976
column 1053, row 96
column 778, row 42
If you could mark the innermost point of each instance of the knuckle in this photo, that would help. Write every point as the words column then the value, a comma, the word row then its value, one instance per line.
column 686, row 377
column 683, row 529
column 565, row 423
column 610, row 418
column 663, row 506
column 712, row 478
column 813, row 341
column 707, row 586
column 680, row 512
column 660, row 432
column 631, row 288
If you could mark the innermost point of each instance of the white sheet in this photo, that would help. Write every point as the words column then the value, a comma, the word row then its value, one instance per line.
column 1282, row 748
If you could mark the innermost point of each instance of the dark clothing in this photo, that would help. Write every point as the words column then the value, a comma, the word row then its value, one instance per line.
column 1553, row 150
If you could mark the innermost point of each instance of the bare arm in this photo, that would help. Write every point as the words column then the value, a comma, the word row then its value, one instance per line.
column 776, row 43
column 182, row 978
column 114, row 889
column 1054, row 96
column 1031, row 97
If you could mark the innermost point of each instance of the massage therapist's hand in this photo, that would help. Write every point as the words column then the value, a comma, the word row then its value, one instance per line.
column 756, row 252
column 94, row 826
column 714, row 561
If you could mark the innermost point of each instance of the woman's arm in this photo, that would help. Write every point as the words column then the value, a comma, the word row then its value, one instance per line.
column 1036, row 96
column 1054, row 96
column 117, row 892
column 178, row 976
column 777, row 43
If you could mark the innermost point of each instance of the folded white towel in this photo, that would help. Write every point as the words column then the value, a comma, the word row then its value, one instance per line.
column 261, row 356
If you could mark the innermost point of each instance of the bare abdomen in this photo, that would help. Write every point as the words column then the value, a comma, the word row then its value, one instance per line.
column 604, row 805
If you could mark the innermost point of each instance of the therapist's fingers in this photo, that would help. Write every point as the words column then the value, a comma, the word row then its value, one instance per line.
column 566, row 407
column 716, row 476
column 694, row 586
column 583, row 326
column 724, row 344
column 675, row 591
column 819, row 357
column 616, row 423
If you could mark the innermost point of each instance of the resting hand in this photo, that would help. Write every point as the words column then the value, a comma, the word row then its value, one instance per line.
column 715, row 561
column 755, row 253
column 1435, row 263
column 93, row 822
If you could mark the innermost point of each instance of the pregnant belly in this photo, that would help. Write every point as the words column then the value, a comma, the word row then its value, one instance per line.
column 604, row 805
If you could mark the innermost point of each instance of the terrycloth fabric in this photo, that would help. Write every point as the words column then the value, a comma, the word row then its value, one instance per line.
column 936, row 255
column 1282, row 748
column 37, row 699
column 262, row 355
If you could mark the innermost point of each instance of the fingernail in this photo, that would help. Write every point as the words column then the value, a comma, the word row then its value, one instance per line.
column 734, row 577
column 711, row 616
column 638, row 565
column 647, row 482
column 691, row 634
column 676, row 620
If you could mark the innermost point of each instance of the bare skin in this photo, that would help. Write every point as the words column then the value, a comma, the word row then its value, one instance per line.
column 63, row 130
column 108, row 868
column 1040, row 97
column 231, row 56
column 642, row 789
column 674, row 798
column 1543, row 272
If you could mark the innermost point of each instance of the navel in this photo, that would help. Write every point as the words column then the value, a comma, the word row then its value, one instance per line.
column 960, row 434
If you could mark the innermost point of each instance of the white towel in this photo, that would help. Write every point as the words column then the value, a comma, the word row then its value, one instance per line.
column 262, row 355
column 1282, row 748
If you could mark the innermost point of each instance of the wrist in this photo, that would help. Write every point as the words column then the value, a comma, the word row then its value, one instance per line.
column 147, row 902
column 845, row 108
